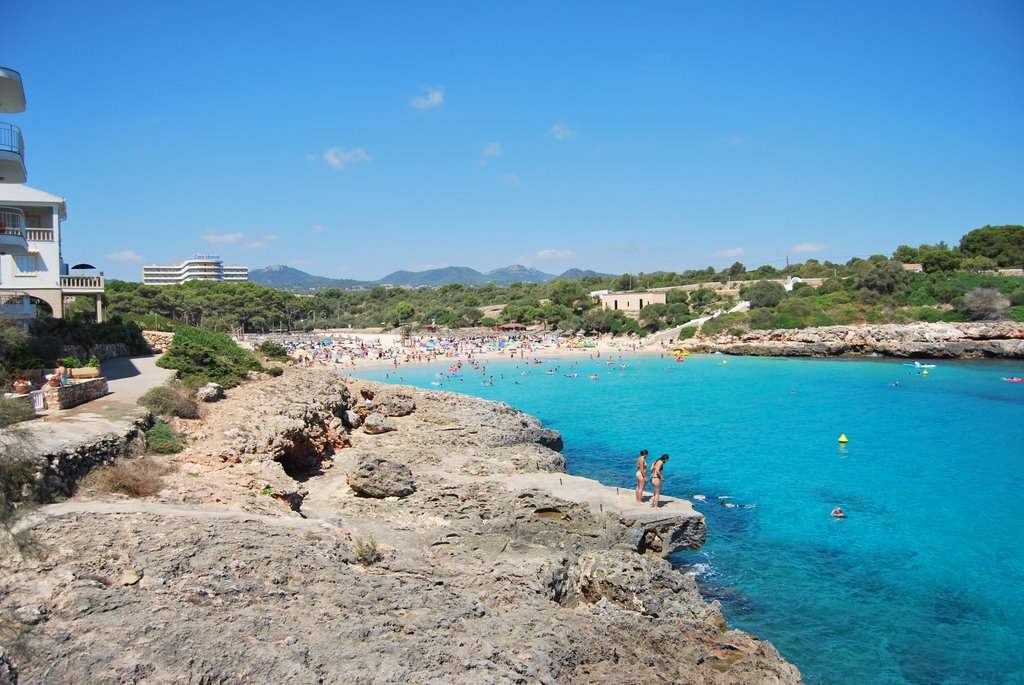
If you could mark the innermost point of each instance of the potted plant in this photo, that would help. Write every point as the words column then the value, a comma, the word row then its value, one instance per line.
column 22, row 386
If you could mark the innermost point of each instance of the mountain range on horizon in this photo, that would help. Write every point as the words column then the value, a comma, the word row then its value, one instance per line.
column 291, row 279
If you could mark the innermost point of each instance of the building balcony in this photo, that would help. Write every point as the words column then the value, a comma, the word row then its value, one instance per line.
column 39, row 235
column 81, row 285
column 12, row 155
column 12, row 230
column 12, row 92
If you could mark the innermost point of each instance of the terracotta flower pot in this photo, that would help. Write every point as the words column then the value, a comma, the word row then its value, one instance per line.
column 22, row 389
column 54, row 382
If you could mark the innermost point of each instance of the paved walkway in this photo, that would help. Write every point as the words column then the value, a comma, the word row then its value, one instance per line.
column 127, row 379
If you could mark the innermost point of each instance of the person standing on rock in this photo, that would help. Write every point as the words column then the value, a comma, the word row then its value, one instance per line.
column 657, row 478
column 641, row 476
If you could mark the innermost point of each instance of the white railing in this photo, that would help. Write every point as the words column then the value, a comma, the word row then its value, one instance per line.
column 42, row 235
column 83, row 282
column 12, row 222
column 11, row 140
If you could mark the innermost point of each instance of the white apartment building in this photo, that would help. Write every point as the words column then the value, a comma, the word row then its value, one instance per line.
column 198, row 268
column 32, row 269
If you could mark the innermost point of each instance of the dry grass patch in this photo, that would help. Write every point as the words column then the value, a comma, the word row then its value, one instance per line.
column 142, row 477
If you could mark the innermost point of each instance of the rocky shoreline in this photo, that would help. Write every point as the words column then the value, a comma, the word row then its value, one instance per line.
column 1000, row 339
column 468, row 557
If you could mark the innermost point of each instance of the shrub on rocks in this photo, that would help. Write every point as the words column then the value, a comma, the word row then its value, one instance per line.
column 172, row 399
column 162, row 440
column 208, row 357
column 378, row 477
column 140, row 477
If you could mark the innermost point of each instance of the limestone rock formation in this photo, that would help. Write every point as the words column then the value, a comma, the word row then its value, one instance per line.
column 375, row 476
column 1003, row 339
column 377, row 423
column 243, row 568
column 211, row 392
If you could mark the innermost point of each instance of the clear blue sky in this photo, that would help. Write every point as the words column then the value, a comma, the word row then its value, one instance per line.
column 353, row 140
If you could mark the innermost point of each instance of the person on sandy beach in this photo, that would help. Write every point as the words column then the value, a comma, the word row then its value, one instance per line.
column 657, row 478
column 641, row 476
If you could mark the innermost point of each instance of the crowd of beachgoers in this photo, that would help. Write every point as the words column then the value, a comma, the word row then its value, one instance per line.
column 348, row 349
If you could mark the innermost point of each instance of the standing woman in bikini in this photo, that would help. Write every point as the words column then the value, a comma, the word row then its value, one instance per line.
column 657, row 478
column 641, row 476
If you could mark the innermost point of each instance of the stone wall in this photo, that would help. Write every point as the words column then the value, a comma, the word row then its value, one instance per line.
column 58, row 472
column 158, row 341
column 67, row 396
column 103, row 351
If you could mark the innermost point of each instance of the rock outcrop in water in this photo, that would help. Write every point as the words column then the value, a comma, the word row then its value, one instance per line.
column 498, row 568
column 1002, row 339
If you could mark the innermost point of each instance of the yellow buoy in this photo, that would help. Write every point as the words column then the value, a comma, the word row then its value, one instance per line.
column 842, row 438
column 924, row 373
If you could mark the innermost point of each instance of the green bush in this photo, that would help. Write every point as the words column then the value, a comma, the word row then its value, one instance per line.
column 94, row 362
column 162, row 440
column 70, row 363
column 208, row 357
column 172, row 399
column 731, row 323
column 272, row 350
column 687, row 333
column 274, row 371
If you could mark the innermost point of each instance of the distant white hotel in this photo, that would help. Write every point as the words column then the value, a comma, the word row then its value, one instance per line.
column 198, row 268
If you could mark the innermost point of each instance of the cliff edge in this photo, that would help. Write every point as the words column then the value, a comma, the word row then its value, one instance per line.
column 322, row 531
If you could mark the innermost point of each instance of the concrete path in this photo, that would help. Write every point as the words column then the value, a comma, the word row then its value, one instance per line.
column 127, row 379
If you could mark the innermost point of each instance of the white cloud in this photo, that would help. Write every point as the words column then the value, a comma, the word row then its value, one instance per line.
column 730, row 252
column 319, row 228
column 562, row 131
column 809, row 247
column 340, row 158
column 126, row 256
column 259, row 244
column 434, row 97
column 550, row 253
column 270, row 236
column 511, row 179
column 490, row 150
column 223, row 238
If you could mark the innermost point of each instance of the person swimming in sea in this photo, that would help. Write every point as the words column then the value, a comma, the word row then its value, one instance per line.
column 838, row 513
column 641, row 476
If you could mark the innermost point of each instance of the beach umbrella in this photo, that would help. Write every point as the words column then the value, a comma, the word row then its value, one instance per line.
column 83, row 265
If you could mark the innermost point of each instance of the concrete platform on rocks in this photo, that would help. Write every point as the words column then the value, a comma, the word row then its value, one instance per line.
column 675, row 525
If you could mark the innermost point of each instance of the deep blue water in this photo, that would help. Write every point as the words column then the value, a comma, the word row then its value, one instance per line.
column 921, row 584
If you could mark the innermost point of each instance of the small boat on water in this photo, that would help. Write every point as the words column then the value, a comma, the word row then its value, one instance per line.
column 919, row 365
column 1014, row 379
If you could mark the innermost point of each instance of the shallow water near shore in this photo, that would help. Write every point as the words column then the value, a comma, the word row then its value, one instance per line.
column 921, row 584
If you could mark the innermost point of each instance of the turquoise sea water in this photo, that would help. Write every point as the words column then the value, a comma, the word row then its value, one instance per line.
column 921, row 584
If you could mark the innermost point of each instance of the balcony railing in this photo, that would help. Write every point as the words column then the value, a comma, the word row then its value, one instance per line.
column 11, row 140
column 12, row 222
column 82, row 282
column 41, row 235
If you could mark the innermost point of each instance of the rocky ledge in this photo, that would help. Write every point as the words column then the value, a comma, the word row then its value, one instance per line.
column 1002, row 339
column 466, row 556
